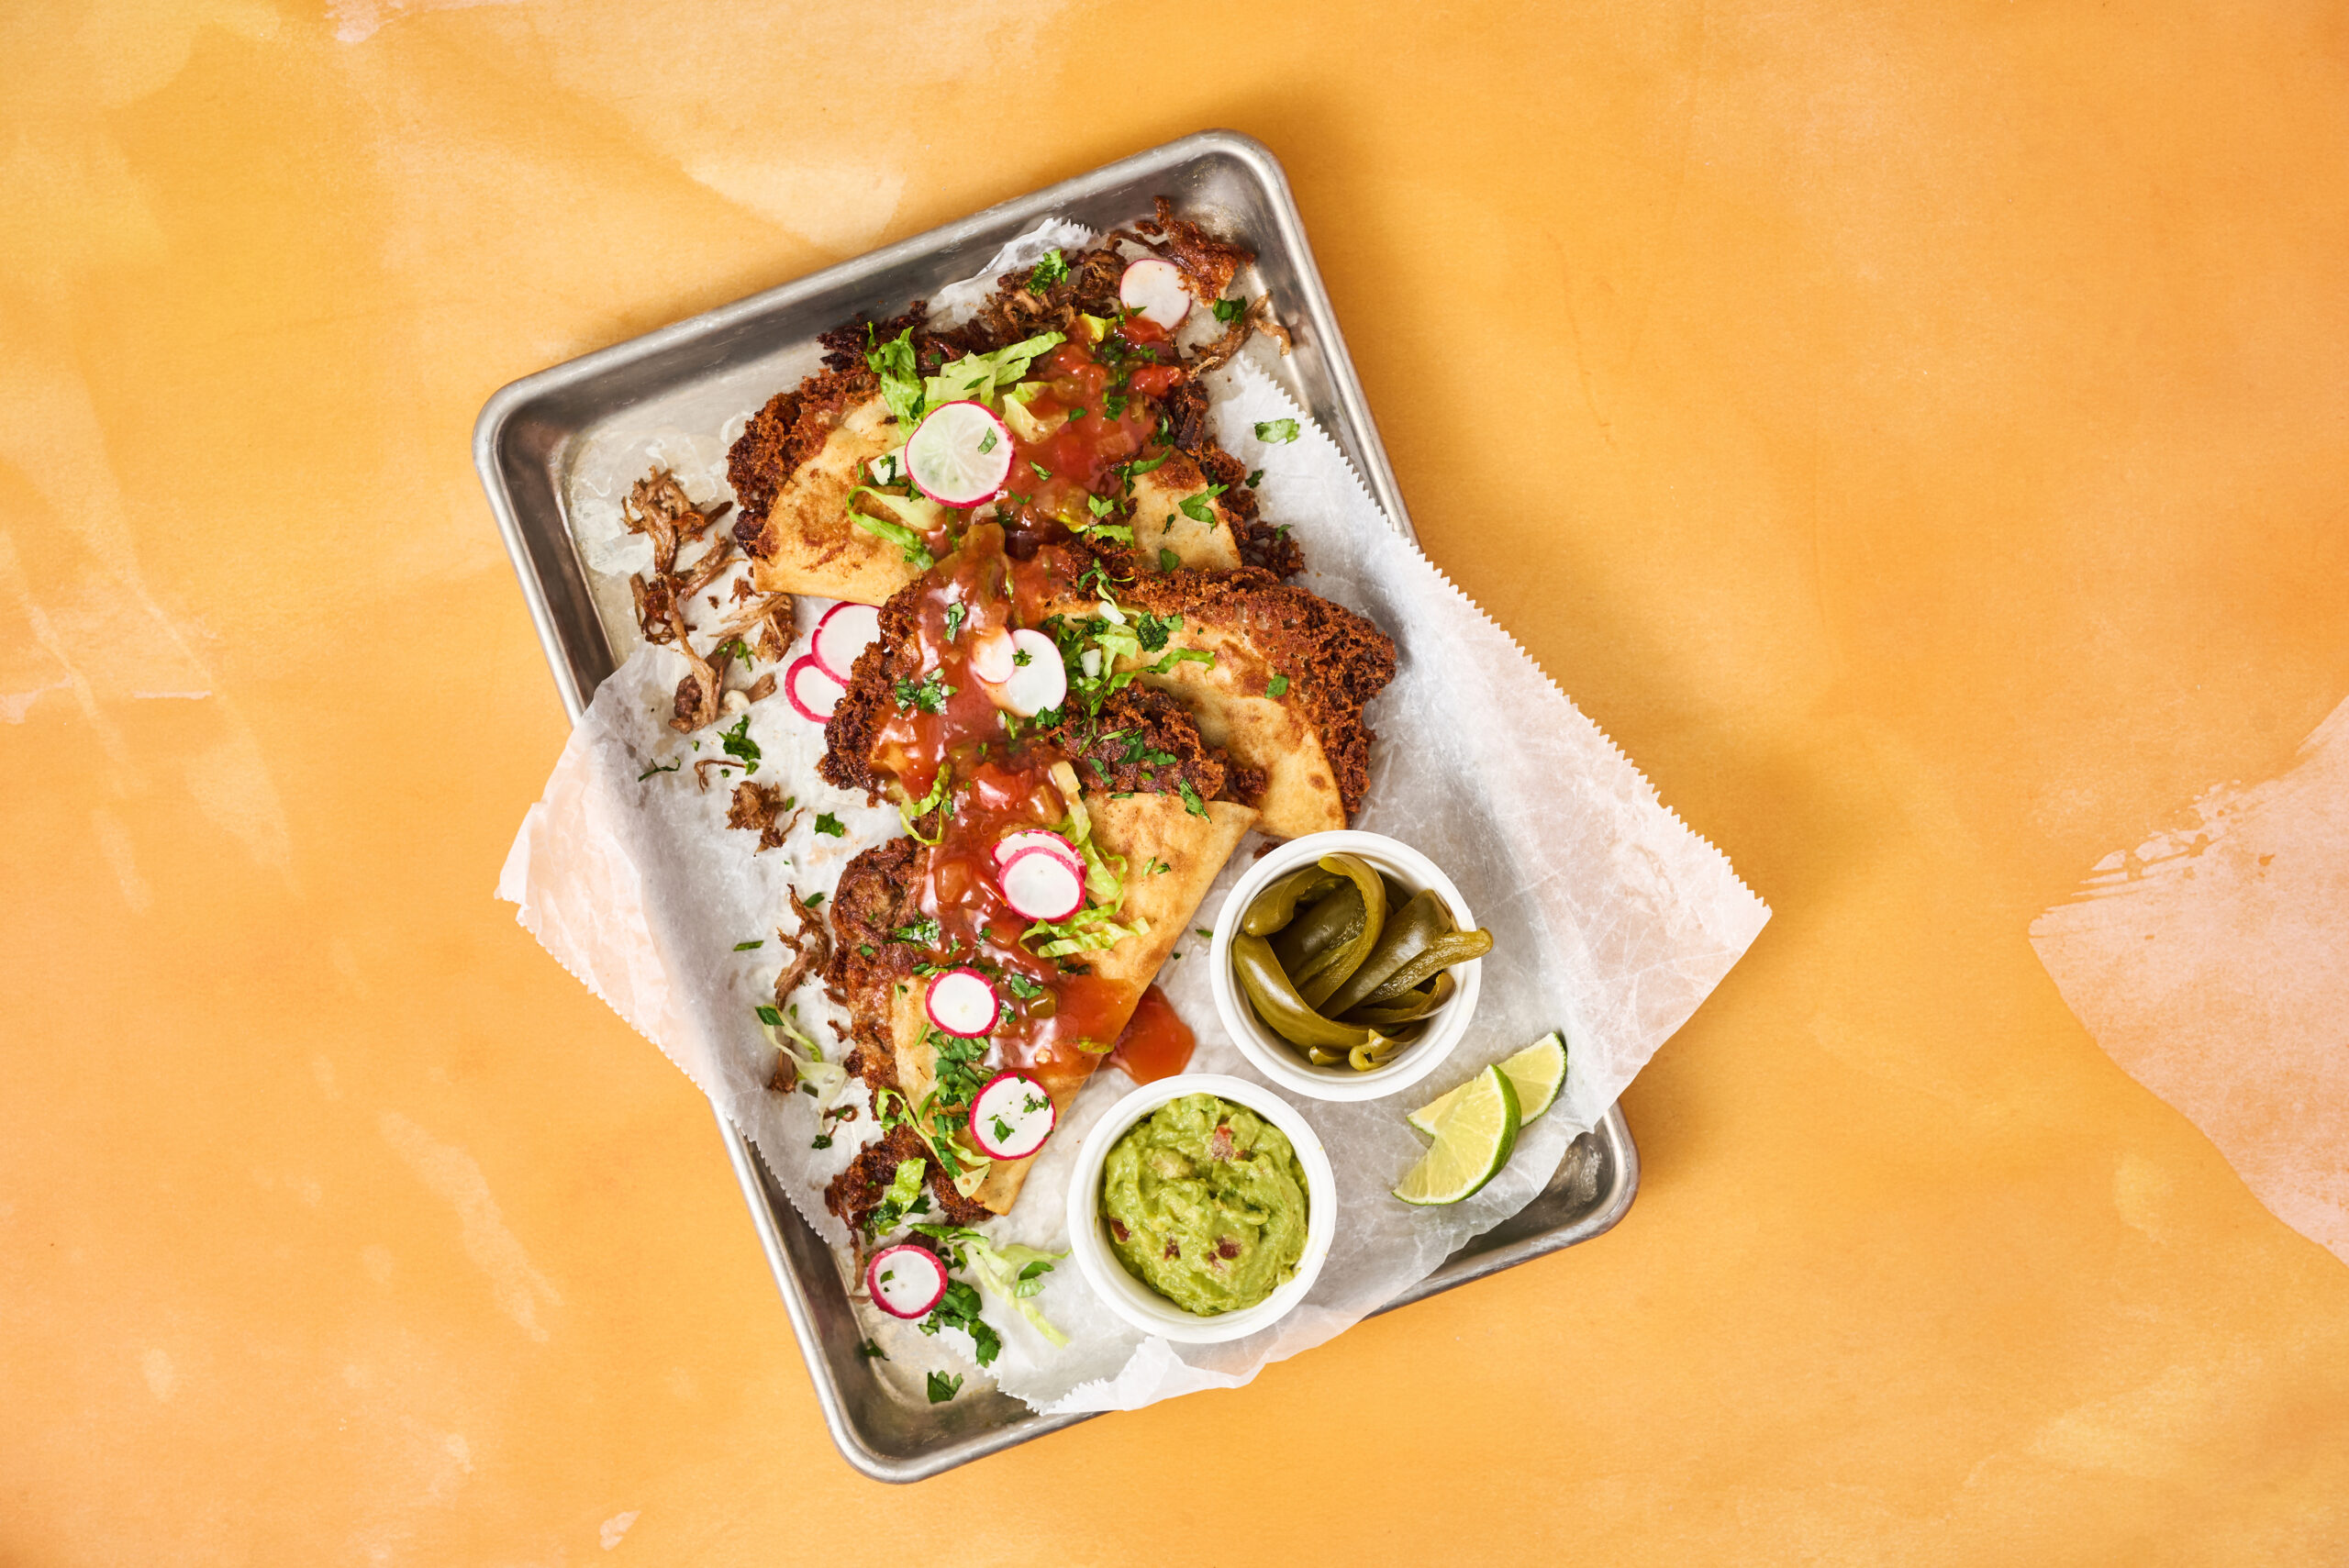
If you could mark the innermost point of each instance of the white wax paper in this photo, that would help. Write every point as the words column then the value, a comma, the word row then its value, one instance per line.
column 1611, row 921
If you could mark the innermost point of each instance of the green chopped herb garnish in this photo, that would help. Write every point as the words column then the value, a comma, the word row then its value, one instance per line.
column 1254, row 475
column 1049, row 271
column 987, row 443
column 1277, row 687
column 1276, row 431
column 674, row 764
column 746, row 947
column 1191, row 801
column 1229, row 309
column 942, row 1388
column 1042, row 472
column 771, row 1016
column 813, row 899
column 1167, row 559
column 830, row 826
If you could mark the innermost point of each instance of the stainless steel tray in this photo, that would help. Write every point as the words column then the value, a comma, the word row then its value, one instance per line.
column 524, row 444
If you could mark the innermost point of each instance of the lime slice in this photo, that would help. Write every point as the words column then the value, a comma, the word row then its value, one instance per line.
column 959, row 454
column 1472, row 1143
column 1537, row 1072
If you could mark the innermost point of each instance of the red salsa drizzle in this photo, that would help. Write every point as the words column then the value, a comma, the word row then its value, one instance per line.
column 1157, row 1042
column 1002, row 574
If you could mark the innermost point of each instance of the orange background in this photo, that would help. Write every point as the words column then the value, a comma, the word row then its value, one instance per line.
column 1917, row 434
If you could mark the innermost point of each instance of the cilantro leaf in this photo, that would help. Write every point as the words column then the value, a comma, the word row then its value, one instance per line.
column 955, row 615
column 1195, row 507
column 1167, row 559
column 1277, row 687
column 1255, row 474
column 746, row 947
column 1230, row 309
column 737, row 743
column 1191, row 801
column 1048, row 272
column 923, row 932
column 942, row 1388
column 830, row 825
column 771, row 1016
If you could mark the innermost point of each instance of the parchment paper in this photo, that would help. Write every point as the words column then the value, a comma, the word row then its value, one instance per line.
column 1611, row 920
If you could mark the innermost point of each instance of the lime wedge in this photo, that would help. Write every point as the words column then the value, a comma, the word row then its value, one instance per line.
column 1537, row 1072
column 1472, row 1143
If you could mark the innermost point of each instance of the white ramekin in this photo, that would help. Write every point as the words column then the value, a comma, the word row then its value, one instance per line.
column 1135, row 1302
column 1283, row 1063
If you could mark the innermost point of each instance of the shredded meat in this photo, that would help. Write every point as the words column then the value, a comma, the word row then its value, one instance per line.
column 811, row 949
column 857, row 1191
column 759, row 808
column 1145, row 742
column 1208, row 264
column 658, row 506
column 699, row 693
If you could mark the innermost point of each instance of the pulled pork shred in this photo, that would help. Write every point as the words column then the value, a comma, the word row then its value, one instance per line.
column 758, row 809
column 658, row 507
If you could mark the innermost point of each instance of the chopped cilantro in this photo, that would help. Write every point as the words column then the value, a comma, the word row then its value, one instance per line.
column 746, row 947
column 1100, row 506
column 959, row 1308
column 1114, row 405
column 987, row 443
column 823, row 1141
column 1201, row 931
column 830, row 825
column 674, row 764
column 929, row 695
column 1021, row 657
column 942, row 1388
column 737, row 743
column 1276, row 432
column 1277, row 687
column 871, row 1352
column 955, row 615
column 1042, row 472
column 1048, row 272
column 1167, row 559
column 1230, row 309
column 813, row 899
column 771, row 1016
column 864, row 947
column 923, row 932
column 1255, row 474
column 1191, row 801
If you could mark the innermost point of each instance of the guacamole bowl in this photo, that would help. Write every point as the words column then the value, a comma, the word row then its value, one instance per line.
column 1283, row 1063
column 1095, row 1251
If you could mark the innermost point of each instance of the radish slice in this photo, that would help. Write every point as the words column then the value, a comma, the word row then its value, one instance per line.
column 845, row 631
column 962, row 1003
column 959, row 454
column 812, row 689
column 906, row 1281
column 1154, row 289
column 1039, row 683
column 1020, row 843
column 1041, row 885
column 1012, row 1116
column 991, row 659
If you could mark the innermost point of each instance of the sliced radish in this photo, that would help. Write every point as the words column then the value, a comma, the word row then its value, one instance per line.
column 1038, row 684
column 1012, row 1116
column 991, row 654
column 812, row 689
column 962, row 1003
column 1041, row 885
column 905, row 1281
column 1154, row 289
column 845, row 631
column 959, row 454
column 1012, row 844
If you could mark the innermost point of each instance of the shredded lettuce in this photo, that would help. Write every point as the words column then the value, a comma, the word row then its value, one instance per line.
column 982, row 377
column 827, row 1079
column 905, row 1185
column 1009, row 1271
column 916, row 516
column 901, row 387
column 939, row 788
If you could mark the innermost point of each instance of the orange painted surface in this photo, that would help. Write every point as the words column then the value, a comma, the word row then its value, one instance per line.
column 1915, row 433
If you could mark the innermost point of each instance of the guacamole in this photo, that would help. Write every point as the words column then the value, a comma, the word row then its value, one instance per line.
column 1206, row 1205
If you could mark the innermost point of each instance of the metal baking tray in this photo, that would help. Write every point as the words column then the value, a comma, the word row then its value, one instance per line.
column 524, row 445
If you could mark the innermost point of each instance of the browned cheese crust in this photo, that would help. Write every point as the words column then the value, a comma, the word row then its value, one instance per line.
column 1335, row 660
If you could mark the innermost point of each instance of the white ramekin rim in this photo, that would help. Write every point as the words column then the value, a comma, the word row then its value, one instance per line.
column 1280, row 1062
column 1135, row 1302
